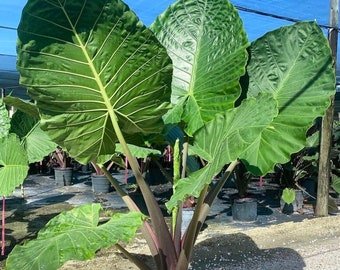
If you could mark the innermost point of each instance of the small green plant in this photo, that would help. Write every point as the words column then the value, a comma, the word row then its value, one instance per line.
column 21, row 136
column 100, row 77
column 288, row 195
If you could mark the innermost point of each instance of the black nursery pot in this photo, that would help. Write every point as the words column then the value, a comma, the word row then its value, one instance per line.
column 63, row 176
column 244, row 209
column 100, row 184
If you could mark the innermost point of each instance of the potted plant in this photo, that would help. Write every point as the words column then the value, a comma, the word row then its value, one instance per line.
column 298, row 177
column 122, row 74
column 23, row 136
column 61, row 163
column 100, row 183
column 160, row 167
column 244, row 207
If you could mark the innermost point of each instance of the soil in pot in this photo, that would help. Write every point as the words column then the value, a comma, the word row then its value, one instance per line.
column 63, row 176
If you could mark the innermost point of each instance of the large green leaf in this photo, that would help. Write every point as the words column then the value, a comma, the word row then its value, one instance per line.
column 207, row 44
column 73, row 235
column 295, row 64
column 301, row 87
column 88, row 63
column 13, row 164
column 33, row 139
column 223, row 140
column 25, row 122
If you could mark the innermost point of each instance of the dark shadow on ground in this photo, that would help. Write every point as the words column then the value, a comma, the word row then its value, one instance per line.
column 24, row 220
column 239, row 251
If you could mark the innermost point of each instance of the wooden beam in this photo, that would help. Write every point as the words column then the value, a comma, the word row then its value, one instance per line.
column 327, row 124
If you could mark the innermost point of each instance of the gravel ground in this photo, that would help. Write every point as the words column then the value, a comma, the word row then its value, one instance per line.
column 273, row 241
column 310, row 244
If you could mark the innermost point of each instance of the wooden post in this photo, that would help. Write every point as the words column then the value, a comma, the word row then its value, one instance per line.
column 327, row 124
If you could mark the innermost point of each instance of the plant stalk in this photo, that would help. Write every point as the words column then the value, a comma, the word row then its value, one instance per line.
column 165, row 249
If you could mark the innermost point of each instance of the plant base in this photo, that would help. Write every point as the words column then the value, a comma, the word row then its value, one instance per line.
column 63, row 176
column 244, row 209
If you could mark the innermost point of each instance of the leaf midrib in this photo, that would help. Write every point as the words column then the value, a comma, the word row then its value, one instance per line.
column 91, row 66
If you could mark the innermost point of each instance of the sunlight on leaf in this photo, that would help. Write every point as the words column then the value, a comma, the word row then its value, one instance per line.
column 73, row 235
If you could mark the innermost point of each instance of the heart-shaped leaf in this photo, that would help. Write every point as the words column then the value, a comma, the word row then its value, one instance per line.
column 89, row 64
column 203, row 38
column 74, row 234
column 295, row 64
column 223, row 140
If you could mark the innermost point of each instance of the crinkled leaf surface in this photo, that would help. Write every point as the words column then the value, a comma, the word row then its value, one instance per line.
column 207, row 44
column 295, row 64
column 13, row 164
column 88, row 63
column 224, row 139
column 73, row 235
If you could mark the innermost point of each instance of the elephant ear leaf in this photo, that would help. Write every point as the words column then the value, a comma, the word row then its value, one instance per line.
column 92, row 68
column 223, row 140
column 33, row 139
column 13, row 164
column 295, row 64
column 203, row 38
column 25, row 122
column 74, row 234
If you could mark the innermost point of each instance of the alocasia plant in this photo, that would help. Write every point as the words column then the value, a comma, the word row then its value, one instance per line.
column 99, row 76
column 22, row 142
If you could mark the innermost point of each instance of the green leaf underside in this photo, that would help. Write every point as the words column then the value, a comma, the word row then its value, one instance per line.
column 295, row 64
column 13, row 164
column 73, row 235
column 92, row 61
column 197, row 35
